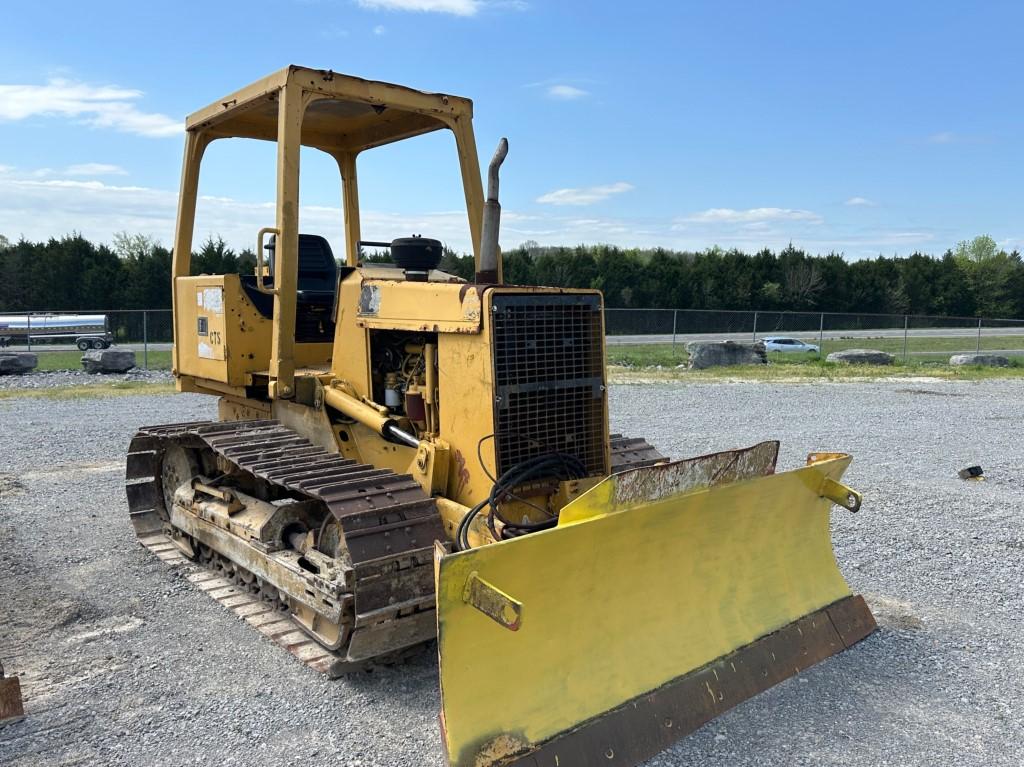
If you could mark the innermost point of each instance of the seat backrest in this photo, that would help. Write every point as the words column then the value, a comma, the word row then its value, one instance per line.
column 318, row 271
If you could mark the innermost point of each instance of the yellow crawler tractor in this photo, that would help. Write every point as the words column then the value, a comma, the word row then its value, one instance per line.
column 402, row 455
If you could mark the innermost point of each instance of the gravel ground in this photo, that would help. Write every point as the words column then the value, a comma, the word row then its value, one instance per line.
column 124, row 662
column 52, row 379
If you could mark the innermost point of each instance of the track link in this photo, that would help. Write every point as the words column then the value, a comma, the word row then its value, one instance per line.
column 632, row 453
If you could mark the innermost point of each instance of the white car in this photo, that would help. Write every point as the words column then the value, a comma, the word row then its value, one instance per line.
column 783, row 344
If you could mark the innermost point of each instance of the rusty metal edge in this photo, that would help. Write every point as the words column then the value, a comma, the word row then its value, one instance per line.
column 12, row 708
column 641, row 728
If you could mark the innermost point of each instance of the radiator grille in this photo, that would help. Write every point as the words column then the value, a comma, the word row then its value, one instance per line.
column 548, row 375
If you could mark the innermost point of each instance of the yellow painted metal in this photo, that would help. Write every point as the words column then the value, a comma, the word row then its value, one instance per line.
column 466, row 399
column 356, row 409
column 616, row 605
column 345, row 116
column 437, row 307
column 342, row 116
column 232, row 409
column 251, row 111
column 637, row 486
column 841, row 495
column 430, row 466
column 371, row 448
column 452, row 514
column 350, row 196
column 195, row 146
column 243, row 347
column 292, row 104
column 350, row 359
column 504, row 610
column 261, row 267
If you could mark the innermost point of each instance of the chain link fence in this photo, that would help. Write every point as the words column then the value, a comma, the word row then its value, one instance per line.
column 149, row 332
column 905, row 335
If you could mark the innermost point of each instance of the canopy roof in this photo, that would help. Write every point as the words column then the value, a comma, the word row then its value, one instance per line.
column 345, row 114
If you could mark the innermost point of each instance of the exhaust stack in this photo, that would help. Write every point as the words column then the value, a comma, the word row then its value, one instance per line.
column 489, row 271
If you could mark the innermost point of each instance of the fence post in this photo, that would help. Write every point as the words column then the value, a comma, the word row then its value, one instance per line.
column 906, row 330
column 821, row 334
column 755, row 327
column 28, row 330
column 979, row 335
column 145, row 341
column 675, row 320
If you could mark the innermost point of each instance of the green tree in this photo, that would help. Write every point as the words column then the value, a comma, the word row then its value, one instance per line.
column 991, row 275
column 979, row 250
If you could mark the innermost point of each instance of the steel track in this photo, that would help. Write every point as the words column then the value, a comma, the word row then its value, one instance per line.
column 389, row 525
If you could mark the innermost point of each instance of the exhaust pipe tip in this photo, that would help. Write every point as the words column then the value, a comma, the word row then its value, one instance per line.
column 492, row 170
column 489, row 270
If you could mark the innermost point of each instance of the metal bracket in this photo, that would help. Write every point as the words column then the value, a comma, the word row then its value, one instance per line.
column 841, row 495
column 234, row 505
column 260, row 265
column 493, row 602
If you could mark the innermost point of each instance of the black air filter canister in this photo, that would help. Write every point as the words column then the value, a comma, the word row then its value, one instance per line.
column 416, row 255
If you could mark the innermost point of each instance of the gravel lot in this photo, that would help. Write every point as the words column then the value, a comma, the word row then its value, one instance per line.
column 52, row 379
column 124, row 662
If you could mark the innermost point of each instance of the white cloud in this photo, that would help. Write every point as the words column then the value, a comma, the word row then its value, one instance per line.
column 64, row 183
column 585, row 195
column 40, row 208
column 98, row 106
column 454, row 7
column 943, row 137
column 862, row 202
column 751, row 215
column 379, row 30
column 566, row 92
column 95, row 169
column 81, row 169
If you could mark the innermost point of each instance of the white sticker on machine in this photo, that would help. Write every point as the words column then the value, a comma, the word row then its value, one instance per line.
column 213, row 300
column 206, row 351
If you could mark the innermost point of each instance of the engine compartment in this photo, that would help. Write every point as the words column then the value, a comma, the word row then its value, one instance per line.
column 403, row 374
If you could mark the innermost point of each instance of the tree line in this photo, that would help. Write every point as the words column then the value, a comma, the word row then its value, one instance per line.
column 976, row 278
column 74, row 274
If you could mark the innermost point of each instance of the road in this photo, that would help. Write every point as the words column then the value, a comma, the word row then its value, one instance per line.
column 666, row 338
column 828, row 335
column 40, row 348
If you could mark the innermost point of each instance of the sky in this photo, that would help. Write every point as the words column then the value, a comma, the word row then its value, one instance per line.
column 862, row 128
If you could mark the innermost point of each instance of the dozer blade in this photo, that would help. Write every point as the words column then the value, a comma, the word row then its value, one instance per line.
column 665, row 596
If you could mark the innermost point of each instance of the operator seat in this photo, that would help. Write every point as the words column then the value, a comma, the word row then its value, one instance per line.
column 316, row 290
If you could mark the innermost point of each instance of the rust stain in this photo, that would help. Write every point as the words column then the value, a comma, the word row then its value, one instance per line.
column 653, row 482
column 502, row 747
column 11, row 707
column 461, row 473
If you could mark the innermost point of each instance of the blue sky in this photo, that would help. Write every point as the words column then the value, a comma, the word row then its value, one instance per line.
column 864, row 128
